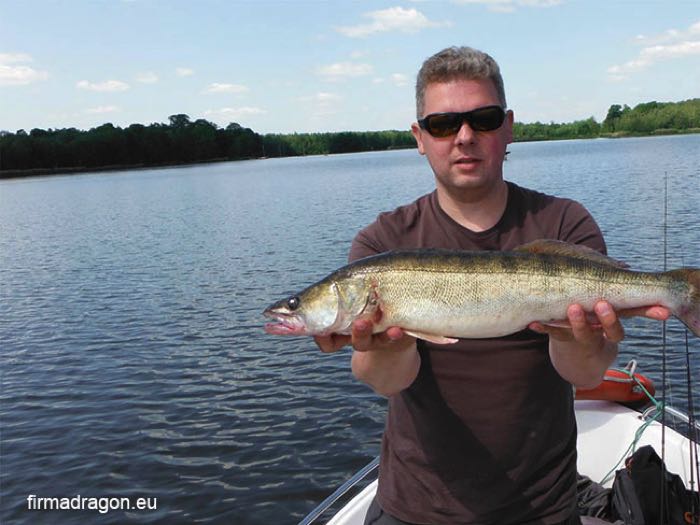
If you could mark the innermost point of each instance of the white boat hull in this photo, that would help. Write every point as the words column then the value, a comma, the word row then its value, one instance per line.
column 605, row 432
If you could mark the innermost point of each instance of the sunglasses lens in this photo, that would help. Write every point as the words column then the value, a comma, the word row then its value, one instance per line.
column 444, row 124
column 487, row 119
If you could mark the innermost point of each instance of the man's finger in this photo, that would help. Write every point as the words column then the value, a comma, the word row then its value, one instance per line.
column 394, row 333
column 611, row 324
column 332, row 343
column 362, row 335
column 580, row 328
column 324, row 343
column 659, row 313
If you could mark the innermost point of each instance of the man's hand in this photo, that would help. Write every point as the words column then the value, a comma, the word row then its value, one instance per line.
column 582, row 351
column 386, row 361
column 605, row 322
column 363, row 340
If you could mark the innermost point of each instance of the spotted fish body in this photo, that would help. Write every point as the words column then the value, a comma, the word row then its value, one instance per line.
column 442, row 295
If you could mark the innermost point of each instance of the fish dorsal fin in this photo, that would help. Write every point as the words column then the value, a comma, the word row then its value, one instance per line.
column 566, row 249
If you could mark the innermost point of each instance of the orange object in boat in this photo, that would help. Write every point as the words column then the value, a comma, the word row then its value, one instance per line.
column 618, row 386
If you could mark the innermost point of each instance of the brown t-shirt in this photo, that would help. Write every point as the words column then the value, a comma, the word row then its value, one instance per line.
column 486, row 434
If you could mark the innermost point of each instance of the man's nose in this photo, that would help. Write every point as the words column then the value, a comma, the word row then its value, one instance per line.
column 465, row 134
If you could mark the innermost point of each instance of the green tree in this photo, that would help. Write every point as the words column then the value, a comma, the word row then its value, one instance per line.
column 179, row 121
column 614, row 114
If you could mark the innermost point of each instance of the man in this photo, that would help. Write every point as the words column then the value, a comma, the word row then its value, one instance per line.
column 480, row 431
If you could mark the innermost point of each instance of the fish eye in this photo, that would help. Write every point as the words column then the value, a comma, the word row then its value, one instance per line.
column 293, row 303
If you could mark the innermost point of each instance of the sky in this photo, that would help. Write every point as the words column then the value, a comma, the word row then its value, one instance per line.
column 317, row 66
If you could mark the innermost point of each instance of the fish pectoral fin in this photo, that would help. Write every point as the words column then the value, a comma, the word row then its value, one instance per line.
column 432, row 338
column 557, row 323
column 591, row 319
column 567, row 249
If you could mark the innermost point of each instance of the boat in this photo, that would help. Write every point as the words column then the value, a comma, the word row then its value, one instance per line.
column 610, row 428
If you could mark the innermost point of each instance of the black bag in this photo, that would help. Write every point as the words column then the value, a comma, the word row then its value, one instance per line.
column 593, row 500
column 637, row 497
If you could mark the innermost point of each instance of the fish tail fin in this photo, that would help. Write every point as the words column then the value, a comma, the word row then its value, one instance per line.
column 689, row 312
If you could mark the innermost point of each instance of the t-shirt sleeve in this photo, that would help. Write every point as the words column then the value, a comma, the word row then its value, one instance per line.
column 579, row 227
column 365, row 244
column 401, row 228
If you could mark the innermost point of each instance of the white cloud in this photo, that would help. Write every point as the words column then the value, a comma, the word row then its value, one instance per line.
column 321, row 98
column 147, row 78
column 668, row 45
column 343, row 70
column 225, row 88
column 106, row 86
column 184, row 72
column 13, row 72
column 323, row 103
column 539, row 3
column 391, row 19
column 671, row 35
column 102, row 109
column 13, row 58
column 397, row 79
column 400, row 80
column 508, row 6
column 233, row 113
column 671, row 51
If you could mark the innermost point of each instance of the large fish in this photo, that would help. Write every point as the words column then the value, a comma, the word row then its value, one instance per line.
column 439, row 295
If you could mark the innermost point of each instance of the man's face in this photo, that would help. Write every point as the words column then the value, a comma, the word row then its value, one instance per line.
column 470, row 162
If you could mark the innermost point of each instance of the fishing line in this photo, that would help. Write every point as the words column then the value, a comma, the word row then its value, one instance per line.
column 659, row 410
column 693, row 461
column 637, row 436
column 692, row 430
column 664, row 505
column 693, row 434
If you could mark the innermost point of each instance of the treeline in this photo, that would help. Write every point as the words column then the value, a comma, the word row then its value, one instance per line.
column 183, row 141
column 653, row 117
column 278, row 145
column 579, row 129
column 649, row 118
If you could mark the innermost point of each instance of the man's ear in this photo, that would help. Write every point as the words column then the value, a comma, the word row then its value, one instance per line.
column 418, row 135
column 510, row 118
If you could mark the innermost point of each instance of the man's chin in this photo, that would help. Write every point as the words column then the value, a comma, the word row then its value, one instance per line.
column 471, row 183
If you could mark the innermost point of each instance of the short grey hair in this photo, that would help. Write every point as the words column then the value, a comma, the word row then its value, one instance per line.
column 458, row 63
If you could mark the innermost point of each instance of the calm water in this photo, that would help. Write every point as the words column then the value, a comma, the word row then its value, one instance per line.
column 133, row 362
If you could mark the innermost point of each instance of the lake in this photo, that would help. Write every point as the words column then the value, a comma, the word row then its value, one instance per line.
column 133, row 360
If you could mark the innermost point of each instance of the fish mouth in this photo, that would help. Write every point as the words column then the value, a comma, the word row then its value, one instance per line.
column 284, row 324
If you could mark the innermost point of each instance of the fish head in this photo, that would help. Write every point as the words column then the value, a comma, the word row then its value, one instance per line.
column 327, row 307
column 314, row 311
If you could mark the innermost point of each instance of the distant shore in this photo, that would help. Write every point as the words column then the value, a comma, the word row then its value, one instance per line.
column 183, row 142
column 39, row 172
column 620, row 135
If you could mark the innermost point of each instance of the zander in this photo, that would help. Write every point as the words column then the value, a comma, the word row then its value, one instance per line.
column 440, row 295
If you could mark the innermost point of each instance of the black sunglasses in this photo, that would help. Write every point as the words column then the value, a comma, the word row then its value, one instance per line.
column 481, row 119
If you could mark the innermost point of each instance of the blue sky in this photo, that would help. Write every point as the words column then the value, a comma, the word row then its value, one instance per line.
column 305, row 66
